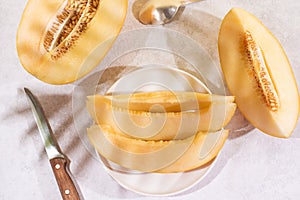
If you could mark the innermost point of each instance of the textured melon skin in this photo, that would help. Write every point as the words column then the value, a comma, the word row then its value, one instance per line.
column 282, row 122
column 88, row 51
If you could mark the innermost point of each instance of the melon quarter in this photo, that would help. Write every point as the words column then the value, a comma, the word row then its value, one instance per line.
column 258, row 73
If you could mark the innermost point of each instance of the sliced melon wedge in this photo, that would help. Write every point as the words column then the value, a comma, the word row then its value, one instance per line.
column 204, row 148
column 136, row 154
column 159, row 156
column 258, row 74
column 160, row 126
column 60, row 41
column 163, row 101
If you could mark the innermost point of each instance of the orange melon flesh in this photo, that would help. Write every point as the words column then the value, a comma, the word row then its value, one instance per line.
column 136, row 154
column 160, row 156
column 163, row 101
column 160, row 126
column 88, row 50
column 204, row 148
column 237, row 63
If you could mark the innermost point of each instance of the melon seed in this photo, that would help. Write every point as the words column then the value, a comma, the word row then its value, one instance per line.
column 259, row 72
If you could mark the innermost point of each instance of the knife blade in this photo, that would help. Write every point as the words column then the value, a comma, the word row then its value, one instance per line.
column 58, row 161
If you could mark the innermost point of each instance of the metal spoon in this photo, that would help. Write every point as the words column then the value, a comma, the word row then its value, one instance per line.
column 162, row 11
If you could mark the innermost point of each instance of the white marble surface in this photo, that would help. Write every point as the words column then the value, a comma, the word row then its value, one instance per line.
column 251, row 166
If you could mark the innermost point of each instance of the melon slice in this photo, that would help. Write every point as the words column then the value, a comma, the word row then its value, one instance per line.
column 149, row 156
column 61, row 41
column 160, row 126
column 204, row 148
column 136, row 154
column 258, row 74
column 163, row 101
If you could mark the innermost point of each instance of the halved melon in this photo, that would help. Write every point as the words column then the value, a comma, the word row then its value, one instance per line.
column 258, row 74
column 163, row 101
column 159, row 125
column 161, row 156
column 61, row 41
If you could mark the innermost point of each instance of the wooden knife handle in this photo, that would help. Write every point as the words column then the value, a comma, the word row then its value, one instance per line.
column 60, row 167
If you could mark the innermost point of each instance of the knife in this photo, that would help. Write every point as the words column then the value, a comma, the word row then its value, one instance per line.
column 59, row 162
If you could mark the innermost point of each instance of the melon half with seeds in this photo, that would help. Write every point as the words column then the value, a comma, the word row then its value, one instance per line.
column 258, row 74
column 61, row 41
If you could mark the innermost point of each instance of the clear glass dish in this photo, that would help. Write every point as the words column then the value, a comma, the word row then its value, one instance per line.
column 141, row 60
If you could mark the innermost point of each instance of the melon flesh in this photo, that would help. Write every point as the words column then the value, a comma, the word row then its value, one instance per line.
column 279, row 120
column 204, row 148
column 158, row 125
column 160, row 156
column 163, row 101
column 136, row 154
column 81, row 57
